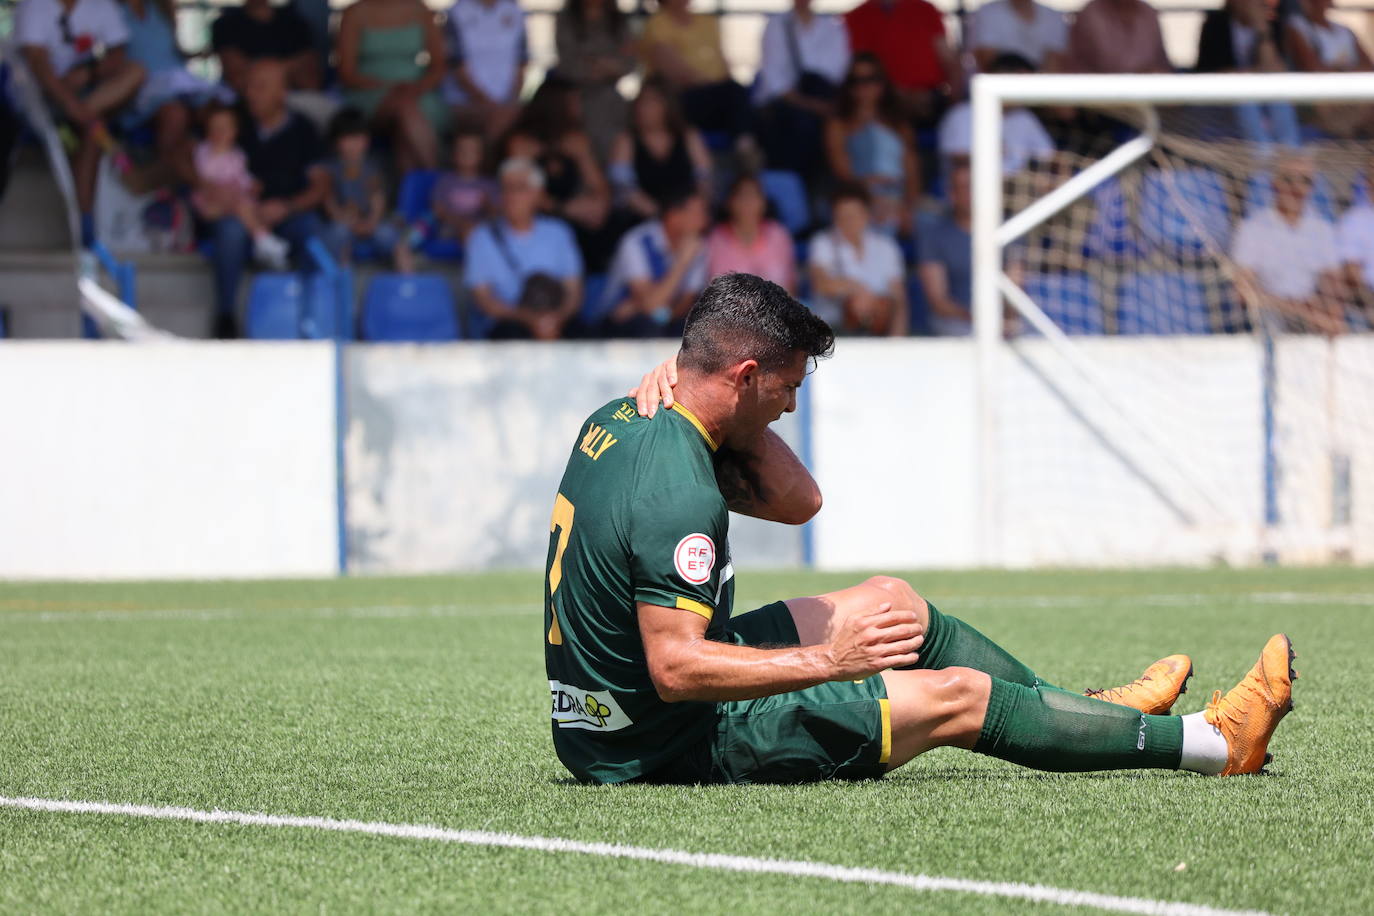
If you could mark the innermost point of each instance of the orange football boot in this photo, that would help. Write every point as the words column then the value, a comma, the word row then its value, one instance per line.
column 1154, row 692
column 1248, row 715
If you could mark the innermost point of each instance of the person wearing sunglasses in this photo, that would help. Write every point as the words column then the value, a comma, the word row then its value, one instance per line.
column 76, row 52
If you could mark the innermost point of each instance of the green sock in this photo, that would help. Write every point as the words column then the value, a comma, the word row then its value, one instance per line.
column 952, row 643
column 1060, row 731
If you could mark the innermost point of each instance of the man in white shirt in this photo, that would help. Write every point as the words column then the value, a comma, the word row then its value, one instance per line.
column 857, row 274
column 75, row 50
column 1023, row 136
column 658, row 270
column 488, row 52
column 803, row 61
column 1024, row 27
column 1288, row 258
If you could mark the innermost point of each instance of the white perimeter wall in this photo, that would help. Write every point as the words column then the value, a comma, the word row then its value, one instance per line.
column 200, row 459
column 166, row 460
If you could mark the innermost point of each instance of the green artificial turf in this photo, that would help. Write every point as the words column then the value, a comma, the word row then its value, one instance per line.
column 423, row 701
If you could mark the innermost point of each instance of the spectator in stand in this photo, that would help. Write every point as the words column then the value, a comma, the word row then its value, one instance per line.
column 908, row 38
column 1117, row 36
column 1024, row 138
column 683, row 48
column 550, row 132
column 658, row 155
column 355, row 197
column 524, row 271
column 1288, row 256
column 284, row 153
column 1315, row 44
column 380, row 43
column 803, row 60
column 1021, row 27
column 659, row 269
column 257, row 30
column 224, row 187
column 946, row 268
column 857, row 274
column 1242, row 38
column 748, row 242
column 170, row 92
column 596, row 49
column 488, row 51
column 464, row 197
column 868, row 141
column 1355, row 238
column 59, row 40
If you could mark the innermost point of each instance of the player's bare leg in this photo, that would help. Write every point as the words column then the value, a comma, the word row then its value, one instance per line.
column 819, row 617
column 930, row 709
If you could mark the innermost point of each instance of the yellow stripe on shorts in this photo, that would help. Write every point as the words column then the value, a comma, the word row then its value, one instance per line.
column 885, row 707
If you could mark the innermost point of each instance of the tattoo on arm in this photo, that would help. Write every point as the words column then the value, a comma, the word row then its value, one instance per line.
column 738, row 478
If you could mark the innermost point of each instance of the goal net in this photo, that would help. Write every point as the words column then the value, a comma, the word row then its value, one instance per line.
column 1176, row 363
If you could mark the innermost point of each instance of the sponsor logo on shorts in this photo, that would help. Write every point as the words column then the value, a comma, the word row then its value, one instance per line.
column 594, row 710
column 694, row 558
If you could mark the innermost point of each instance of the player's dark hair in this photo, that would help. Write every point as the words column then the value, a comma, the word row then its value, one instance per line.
column 741, row 316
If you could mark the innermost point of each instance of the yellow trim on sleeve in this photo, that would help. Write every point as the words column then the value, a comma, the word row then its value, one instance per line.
column 696, row 607
column 692, row 418
column 885, row 708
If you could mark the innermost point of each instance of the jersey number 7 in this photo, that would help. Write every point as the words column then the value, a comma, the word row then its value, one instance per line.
column 562, row 524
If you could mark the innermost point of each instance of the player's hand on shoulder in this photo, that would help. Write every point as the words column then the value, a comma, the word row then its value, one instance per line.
column 656, row 385
column 869, row 643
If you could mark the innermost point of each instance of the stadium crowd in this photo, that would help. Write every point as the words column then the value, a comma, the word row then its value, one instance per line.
column 403, row 135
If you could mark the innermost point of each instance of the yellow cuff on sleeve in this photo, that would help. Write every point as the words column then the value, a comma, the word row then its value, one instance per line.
column 696, row 607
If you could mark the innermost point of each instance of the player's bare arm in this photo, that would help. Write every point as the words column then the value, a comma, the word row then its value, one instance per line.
column 685, row 665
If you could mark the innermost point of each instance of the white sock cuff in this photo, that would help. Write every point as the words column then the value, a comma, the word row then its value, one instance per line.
column 1204, row 746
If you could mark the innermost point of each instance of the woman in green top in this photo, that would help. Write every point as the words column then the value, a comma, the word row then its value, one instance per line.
column 391, row 61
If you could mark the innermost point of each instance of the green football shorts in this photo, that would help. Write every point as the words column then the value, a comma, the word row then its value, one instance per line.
column 836, row 730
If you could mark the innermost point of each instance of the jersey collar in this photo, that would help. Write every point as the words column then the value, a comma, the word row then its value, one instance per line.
column 692, row 418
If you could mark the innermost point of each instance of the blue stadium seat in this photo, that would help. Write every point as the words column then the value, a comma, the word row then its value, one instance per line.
column 593, row 288
column 1110, row 234
column 413, row 197
column 918, row 307
column 409, row 307
column 1184, row 213
column 1071, row 301
column 291, row 306
column 787, row 193
column 1163, row 303
column 413, row 201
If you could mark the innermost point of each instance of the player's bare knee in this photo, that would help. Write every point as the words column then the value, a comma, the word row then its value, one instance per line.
column 903, row 595
column 956, row 691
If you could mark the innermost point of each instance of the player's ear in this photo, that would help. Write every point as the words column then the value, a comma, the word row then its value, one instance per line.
column 745, row 373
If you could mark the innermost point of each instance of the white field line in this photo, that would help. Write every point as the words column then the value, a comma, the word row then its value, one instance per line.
column 713, row 861
column 408, row 611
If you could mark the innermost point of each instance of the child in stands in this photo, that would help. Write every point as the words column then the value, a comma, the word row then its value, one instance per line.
column 465, row 196
column 224, row 187
column 356, row 200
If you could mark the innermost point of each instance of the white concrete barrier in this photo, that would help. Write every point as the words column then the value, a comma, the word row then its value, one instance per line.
column 168, row 460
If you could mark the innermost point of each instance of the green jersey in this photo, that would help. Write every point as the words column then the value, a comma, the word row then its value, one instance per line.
column 638, row 517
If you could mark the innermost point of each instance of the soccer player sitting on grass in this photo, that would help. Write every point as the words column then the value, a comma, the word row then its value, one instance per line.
column 651, row 679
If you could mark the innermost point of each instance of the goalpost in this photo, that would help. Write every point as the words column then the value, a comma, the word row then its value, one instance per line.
column 1144, row 397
